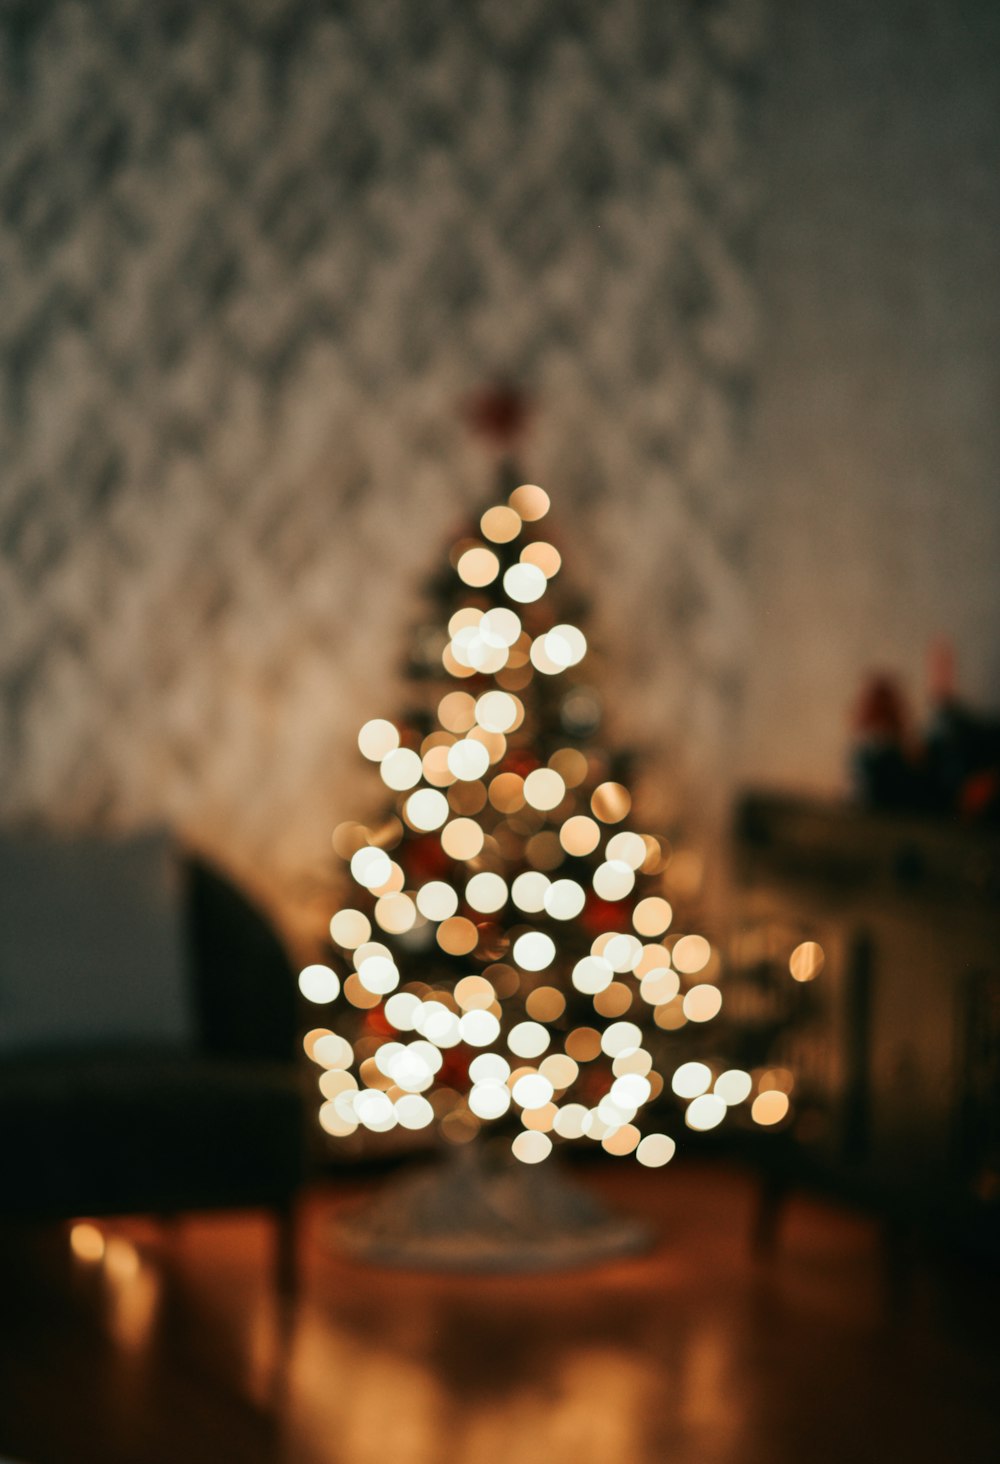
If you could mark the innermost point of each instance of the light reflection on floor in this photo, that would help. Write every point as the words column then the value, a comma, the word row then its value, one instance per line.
column 584, row 1403
column 694, row 1354
column 172, row 1346
column 596, row 1365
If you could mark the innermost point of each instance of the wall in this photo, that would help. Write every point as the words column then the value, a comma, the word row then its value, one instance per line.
column 875, row 456
column 251, row 258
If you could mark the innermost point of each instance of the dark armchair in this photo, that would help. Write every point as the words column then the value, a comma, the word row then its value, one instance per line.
column 192, row 1100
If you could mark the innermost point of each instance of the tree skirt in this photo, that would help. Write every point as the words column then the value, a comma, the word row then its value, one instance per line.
column 465, row 1214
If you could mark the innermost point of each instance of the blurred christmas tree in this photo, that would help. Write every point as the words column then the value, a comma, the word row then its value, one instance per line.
column 512, row 961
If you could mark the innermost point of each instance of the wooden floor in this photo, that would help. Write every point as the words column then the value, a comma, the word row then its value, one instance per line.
column 172, row 1349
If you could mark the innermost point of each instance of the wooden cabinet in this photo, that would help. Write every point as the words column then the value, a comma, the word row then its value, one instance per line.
column 899, row 1060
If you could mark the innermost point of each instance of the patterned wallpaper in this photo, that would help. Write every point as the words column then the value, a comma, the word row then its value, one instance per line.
column 251, row 258
column 874, row 461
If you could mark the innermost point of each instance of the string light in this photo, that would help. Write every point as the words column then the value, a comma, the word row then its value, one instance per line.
column 524, row 583
column 319, row 984
column 505, row 835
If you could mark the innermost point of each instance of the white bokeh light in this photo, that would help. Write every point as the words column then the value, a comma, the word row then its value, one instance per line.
column 566, row 645
column 427, row 809
column 378, row 974
column 500, row 628
column 437, row 900
column 401, row 769
column 623, row 953
column 529, row 890
column 413, row 1112
column 630, row 1090
column 524, row 583
column 489, row 1067
column 377, row 739
column 572, row 1121
column 733, row 1086
column 626, row 848
column 534, row 950
column 468, row 760
column 489, row 1099
column 387, row 1055
column 619, row 1036
column 319, row 984
column 592, row 974
column 479, row 1028
column 371, row 867
column 439, row 1025
column 496, row 711
column 374, row 1109
column 705, row 1112
column 532, row 1091
column 528, row 1039
column 531, row 1147
column 333, row 1051
column 564, row 899
column 691, row 1079
column 401, row 1009
column 613, row 880
column 486, row 893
